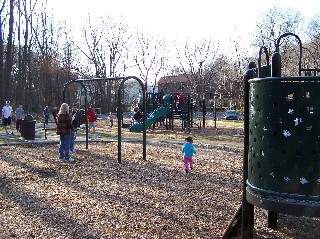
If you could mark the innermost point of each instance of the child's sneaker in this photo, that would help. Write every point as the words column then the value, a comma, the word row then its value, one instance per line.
column 187, row 171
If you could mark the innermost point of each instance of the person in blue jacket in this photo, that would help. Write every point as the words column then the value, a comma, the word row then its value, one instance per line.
column 188, row 151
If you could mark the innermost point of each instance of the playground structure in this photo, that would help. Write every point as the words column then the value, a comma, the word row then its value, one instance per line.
column 281, row 170
column 162, row 109
column 155, row 116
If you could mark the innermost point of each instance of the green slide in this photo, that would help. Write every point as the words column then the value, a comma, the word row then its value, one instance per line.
column 153, row 117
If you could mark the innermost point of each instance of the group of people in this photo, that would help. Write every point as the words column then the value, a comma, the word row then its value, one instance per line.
column 8, row 114
column 68, row 124
column 67, row 127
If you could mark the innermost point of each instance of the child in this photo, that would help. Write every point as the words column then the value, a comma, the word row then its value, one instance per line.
column 92, row 118
column 137, row 116
column 19, row 115
column 188, row 151
column 111, row 118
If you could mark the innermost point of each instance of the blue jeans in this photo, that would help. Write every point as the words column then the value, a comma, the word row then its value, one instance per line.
column 46, row 119
column 64, row 146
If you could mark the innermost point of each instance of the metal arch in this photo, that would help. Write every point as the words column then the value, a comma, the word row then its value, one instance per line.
column 143, row 116
column 85, row 103
column 300, row 46
column 123, row 79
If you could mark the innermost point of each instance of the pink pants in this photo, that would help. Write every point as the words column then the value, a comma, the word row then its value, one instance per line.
column 187, row 162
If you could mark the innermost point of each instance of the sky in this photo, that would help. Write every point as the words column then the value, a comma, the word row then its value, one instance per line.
column 178, row 19
column 168, row 18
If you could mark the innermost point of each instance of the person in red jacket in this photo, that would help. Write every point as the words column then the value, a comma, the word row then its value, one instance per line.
column 92, row 118
column 181, row 101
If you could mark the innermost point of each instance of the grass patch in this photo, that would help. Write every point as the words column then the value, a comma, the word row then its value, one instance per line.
column 6, row 141
column 222, row 138
column 227, row 123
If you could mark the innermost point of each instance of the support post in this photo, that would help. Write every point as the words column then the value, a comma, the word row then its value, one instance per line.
column 247, row 208
column 272, row 220
column 204, row 112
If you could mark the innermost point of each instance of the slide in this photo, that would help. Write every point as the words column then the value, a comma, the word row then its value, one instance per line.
column 153, row 117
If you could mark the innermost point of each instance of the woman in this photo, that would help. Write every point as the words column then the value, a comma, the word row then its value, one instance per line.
column 65, row 130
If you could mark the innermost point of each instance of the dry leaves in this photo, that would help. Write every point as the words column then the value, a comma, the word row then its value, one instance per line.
column 43, row 197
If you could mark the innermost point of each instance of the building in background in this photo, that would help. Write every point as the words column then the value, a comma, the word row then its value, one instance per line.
column 174, row 84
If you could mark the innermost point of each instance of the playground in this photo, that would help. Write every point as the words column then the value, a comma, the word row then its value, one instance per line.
column 44, row 197
column 257, row 180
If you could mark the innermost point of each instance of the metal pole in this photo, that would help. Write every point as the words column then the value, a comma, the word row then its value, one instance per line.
column 144, row 116
column 204, row 112
column 188, row 112
column 86, row 115
column 215, row 115
column 171, row 115
column 119, row 122
column 247, row 208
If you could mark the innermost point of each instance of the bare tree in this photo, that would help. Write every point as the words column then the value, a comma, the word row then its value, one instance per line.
column 107, row 45
column 275, row 22
column 6, row 80
column 25, row 12
column 149, row 58
column 118, row 37
column 3, row 17
column 312, row 48
column 192, row 62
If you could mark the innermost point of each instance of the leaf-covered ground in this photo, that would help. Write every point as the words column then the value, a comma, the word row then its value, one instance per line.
column 97, row 197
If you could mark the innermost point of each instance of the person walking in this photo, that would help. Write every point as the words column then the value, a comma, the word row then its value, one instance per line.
column 65, row 130
column 46, row 115
column 19, row 115
column 92, row 118
column 6, row 116
column 55, row 114
column 188, row 151
column 111, row 119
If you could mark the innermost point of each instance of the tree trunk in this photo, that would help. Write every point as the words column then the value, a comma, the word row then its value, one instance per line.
column 2, row 98
column 8, row 63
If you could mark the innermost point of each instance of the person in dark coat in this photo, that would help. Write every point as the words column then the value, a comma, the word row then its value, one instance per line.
column 55, row 114
column 65, row 130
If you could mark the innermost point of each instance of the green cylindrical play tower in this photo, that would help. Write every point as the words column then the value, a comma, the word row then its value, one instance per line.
column 284, row 145
column 281, row 163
